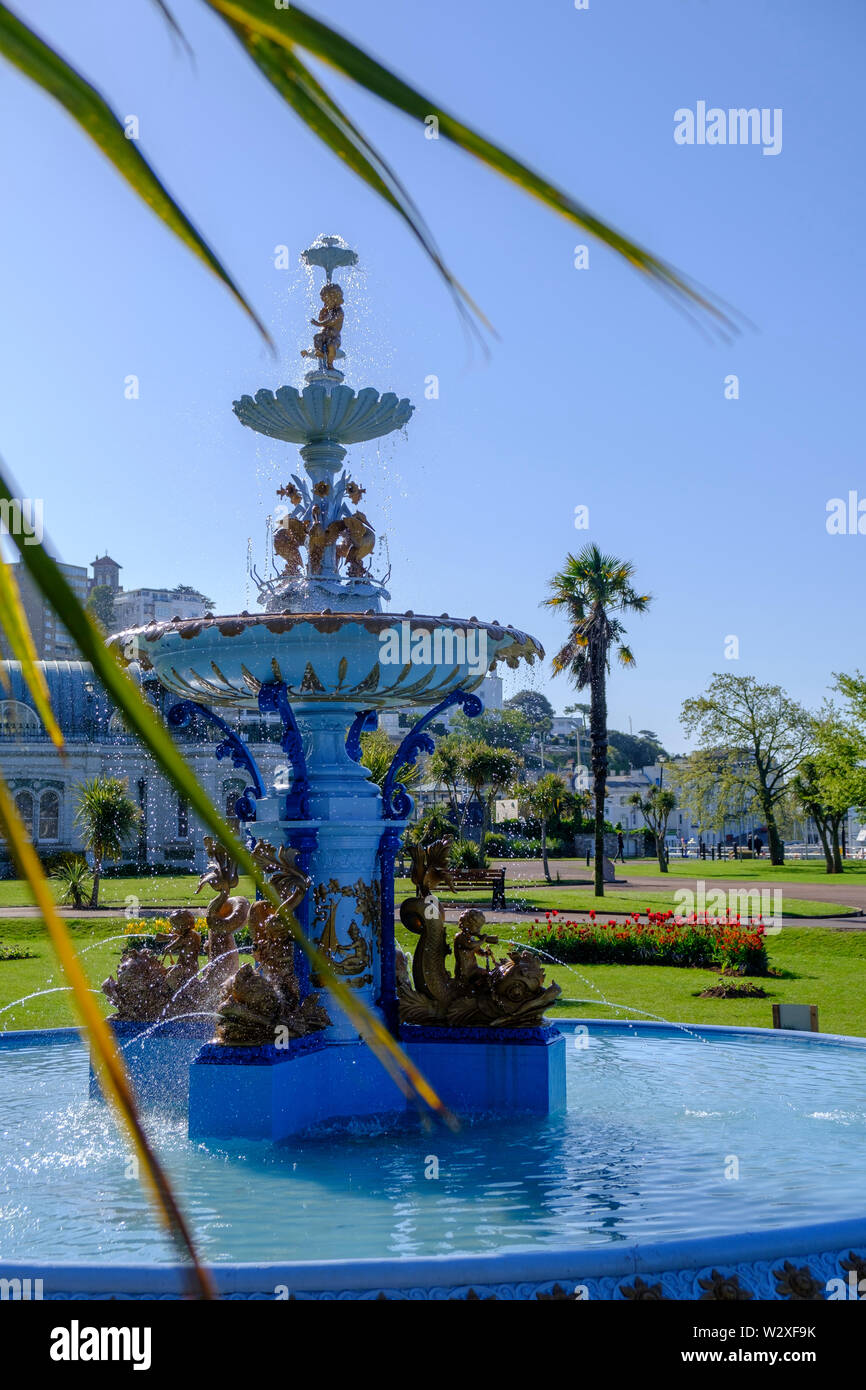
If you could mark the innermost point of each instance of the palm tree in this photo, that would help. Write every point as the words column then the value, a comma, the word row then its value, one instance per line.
column 72, row 874
column 593, row 588
column 545, row 797
column 107, row 816
column 656, row 808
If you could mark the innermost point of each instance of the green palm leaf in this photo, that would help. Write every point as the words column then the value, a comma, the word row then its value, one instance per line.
column 318, row 109
column 293, row 27
column 39, row 62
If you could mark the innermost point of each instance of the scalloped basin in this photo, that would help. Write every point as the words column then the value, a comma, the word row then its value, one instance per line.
column 655, row 1113
column 369, row 660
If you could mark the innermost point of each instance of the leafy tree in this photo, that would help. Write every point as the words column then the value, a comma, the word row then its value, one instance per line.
column 187, row 591
column 639, row 750
column 831, row 781
column 535, row 707
column 656, row 805
column 487, row 772
column 377, row 754
column 100, row 605
column 757, row 736
column 108, row 817
column 594, row 589
column 506, row 728
column 445, row 767
column 545, row 798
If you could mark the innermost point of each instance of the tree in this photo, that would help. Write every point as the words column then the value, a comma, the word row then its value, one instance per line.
column 593, row 589
column 187, row 591
column 100, row 605
column 831, row 781
column 506, row 728
column 655, row 805
column 487, row 771
column 535, row 706
column 758, row 737
column 107, row 816
column 445, row 767
column 545, row 798
column 639, row 750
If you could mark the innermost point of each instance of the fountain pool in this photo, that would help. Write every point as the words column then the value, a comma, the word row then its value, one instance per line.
column 632, row 1182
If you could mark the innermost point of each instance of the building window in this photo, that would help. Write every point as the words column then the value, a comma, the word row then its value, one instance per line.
column 182, row 818
column 231, row 791
column 18, row 720
column 49, row 816
column 24, row 806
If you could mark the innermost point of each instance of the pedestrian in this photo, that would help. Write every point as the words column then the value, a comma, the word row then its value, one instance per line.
column 620, row 847
column 759, row 845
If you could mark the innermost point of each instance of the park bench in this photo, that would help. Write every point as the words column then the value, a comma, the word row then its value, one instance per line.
column 494, row 879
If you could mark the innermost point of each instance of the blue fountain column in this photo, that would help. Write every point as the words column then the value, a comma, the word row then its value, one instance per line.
column 341, row 829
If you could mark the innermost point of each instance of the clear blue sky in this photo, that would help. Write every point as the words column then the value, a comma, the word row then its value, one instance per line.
column 720, row 504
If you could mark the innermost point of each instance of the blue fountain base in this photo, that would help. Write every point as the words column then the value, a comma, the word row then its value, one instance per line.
column 270, row 1093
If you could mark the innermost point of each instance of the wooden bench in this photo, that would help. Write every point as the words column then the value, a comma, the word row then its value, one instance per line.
column 494, row 879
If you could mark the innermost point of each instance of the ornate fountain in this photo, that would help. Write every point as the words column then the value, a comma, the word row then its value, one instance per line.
column 325, row 657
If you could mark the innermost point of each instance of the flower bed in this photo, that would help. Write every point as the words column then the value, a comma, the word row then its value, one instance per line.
column 661, row 939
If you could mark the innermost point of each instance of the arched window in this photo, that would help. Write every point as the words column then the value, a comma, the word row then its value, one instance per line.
column 49, row 816
column 24, row 806
column 18, row 720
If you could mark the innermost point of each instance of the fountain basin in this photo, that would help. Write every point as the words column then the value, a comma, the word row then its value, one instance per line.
column 378, row 660
column 625, row 1195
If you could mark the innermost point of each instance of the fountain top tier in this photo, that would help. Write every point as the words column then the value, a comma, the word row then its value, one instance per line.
column 324, row 634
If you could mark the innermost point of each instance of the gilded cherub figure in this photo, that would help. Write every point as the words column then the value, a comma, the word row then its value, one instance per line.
column 330, row 320
column 359, row 540
column 289, row 536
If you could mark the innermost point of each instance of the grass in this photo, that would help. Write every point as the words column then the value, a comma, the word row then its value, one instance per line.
column 747, row 870
column 581, row 900
column 818, row 966
column 169, row 890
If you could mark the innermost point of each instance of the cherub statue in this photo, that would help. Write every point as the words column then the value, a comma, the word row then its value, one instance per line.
column 330, row 320
column 289, row 536
column 319, row 538
column 468, row 945
column 359, row 540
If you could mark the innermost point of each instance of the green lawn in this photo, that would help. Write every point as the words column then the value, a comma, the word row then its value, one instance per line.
column 818, row 966
column 170, row 890
column 582, row 899
column 761, row 870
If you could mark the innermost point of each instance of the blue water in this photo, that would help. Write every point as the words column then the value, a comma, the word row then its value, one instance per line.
column 653, row 1124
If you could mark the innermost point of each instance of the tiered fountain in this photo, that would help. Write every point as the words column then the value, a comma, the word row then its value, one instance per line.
column 326, row 658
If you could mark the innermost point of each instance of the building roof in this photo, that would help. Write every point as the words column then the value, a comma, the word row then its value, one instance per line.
column 78, row 700
column 106, row 560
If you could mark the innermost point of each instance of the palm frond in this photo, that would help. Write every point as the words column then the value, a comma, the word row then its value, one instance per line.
column 38, row 61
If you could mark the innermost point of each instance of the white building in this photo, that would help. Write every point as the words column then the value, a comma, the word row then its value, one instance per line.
column 45, row 786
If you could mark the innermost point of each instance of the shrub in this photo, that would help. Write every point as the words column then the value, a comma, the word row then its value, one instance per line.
column 661, row 940
column 465, row 854
column 16, row 953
